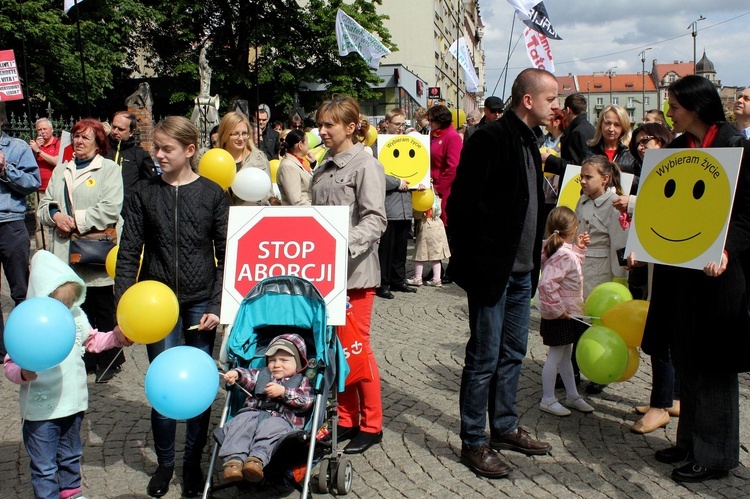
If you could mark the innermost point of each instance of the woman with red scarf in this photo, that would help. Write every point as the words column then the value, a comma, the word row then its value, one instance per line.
column 445, row 151
column 702, row 316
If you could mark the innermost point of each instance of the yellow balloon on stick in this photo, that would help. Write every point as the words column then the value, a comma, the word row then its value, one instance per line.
column 148, row 312
column 629, row 320
column 370, row 136
column 218, row 165
column 422, row 200
column 459, row 117
column 111, row 261
column 274, row 164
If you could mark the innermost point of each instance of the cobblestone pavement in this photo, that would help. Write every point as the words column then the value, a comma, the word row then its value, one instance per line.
column 419, row 343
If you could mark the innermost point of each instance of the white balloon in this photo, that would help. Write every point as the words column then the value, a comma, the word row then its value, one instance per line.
column 251, row 184
column 276, row 191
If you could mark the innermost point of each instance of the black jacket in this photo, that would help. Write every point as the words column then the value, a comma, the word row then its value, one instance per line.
column 269, row 143
column 181, row 230
column 487, row 207
column 705, row 319
column 573, row 147
column 135, row 164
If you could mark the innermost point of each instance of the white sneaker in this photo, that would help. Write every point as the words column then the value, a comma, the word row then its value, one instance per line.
column 553, row 407
column 579, row 404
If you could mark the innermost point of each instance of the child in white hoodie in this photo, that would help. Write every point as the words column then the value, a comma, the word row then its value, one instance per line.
column 53, row 401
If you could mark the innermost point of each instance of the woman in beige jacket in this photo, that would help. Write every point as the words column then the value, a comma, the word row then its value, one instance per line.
column 295, row 174
column 352, row 177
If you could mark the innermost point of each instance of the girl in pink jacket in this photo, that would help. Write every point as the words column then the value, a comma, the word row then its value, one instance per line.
column 560, row 297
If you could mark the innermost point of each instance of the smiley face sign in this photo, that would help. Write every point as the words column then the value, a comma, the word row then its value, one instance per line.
column 406, row 157
column 684, row 201
column 570, row 189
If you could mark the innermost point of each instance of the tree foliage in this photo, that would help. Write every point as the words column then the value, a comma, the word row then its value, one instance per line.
column 295, row 44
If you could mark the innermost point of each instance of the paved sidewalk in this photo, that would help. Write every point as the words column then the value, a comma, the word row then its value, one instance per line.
column 419, row 343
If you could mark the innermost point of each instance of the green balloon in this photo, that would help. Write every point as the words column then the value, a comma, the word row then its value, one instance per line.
column 605, row 296
column 602, row 355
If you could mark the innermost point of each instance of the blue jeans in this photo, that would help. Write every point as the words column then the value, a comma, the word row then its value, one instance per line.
column 163, row 428
column 494, row 354
column 55, row 449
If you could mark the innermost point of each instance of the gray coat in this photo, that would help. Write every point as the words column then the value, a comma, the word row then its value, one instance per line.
column 397, row 203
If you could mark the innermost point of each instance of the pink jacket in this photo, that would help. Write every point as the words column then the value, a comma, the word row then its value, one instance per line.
column 561, row 285
column 445, row 151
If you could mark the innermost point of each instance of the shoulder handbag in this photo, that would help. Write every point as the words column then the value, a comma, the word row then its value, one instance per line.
column 92, row 247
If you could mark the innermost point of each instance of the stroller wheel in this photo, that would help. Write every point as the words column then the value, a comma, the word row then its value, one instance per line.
column 323, row 475
column 344, row 476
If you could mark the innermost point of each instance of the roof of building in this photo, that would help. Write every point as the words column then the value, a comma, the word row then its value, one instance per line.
column 705, row 65
column 680, row 68
column 598, row 83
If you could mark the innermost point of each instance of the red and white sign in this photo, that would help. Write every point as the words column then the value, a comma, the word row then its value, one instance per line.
column 10, row 84
column 66, row 148
column 305, row 241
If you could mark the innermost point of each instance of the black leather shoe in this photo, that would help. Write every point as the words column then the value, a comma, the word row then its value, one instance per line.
column 192, row 480
column 384, row 292
column 692, row 472
column 403, row 288
column 484, row 461
column 346, row 433
column 595, row 388
column 363, row 441
column 159, row 483
column 672, row 455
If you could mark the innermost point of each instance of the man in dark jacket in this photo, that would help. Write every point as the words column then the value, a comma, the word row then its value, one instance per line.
column 495, row 212
column 269, row 138
column 394, row 241
column 135, row 163
column 573, row 141
column 493, row 111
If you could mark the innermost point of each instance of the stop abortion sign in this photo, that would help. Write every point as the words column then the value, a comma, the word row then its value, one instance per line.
column 304, row 241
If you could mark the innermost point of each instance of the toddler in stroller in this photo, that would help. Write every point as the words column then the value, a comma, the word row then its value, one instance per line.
column 280, row 397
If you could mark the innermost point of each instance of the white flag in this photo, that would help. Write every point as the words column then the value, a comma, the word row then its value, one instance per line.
column 461, row 52
column 538, row 50
column 68, row 4
column 352, row 37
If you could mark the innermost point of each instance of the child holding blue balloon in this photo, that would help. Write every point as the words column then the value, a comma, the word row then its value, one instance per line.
column 560, row 297
column 53, row 400
column 281, row 398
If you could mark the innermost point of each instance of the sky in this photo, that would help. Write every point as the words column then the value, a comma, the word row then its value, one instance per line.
column 600, row 34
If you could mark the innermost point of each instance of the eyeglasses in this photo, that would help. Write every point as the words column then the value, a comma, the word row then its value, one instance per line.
column 645, row 140
column 398, row 125
column 234, row 135
column 496, row 111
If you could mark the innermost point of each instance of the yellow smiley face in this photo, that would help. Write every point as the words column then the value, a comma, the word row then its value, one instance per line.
column 406, row 158
column 570, row 193
column 682, row 207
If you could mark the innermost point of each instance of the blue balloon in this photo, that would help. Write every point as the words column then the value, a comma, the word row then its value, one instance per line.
column 182, row 382
column 40, row 333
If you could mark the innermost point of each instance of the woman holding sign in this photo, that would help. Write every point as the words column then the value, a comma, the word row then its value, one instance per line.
column 702, row 316
column 350, row 176
column 179, row 221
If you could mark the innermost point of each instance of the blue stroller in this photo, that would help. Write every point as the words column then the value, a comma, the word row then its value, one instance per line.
column 288, row 304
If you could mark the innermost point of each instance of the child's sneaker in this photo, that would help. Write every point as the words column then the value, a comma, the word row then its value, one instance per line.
column 553, row 407
column 232, row 471
column 253, row 470
column 579, row 404
column 414, row 282
column 434, row 283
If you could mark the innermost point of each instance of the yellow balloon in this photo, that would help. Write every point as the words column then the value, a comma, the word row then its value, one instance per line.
column 274, row 164
column 422, row 200
column 148, row 312
column 319, row 153
column 629, row 320
column 111, row 261
column 371, row 136
column 459, row 117
column 218, row 165
column 634, row 361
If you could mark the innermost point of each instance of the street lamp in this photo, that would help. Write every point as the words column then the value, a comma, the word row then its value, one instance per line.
column 694, row 26
column 609, row 72
column 643, row 73
column 588, row 99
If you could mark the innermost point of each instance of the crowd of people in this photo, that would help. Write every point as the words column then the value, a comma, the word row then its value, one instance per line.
column 493, row 219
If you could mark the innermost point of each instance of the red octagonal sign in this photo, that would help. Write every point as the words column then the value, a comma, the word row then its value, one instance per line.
column 275, row 246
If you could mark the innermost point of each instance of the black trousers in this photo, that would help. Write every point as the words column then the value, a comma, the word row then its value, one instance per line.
column 14, row 258
column 392, row 253
column 100, row 309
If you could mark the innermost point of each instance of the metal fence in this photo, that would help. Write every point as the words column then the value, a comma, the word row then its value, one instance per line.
column 21, row 127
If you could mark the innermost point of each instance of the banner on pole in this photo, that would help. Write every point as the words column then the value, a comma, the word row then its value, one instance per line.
column 538, row 50
column 69, row 4
column 352, row 37
column 534, row 15
column 10, row 84
column 459, row 50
